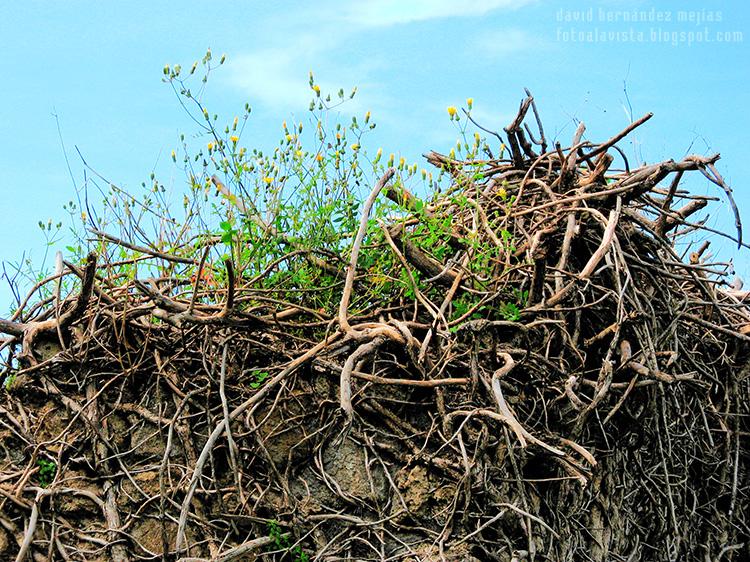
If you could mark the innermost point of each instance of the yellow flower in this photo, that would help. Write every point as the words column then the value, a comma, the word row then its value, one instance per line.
column 502, row 193
column 452, row 111
column 234, row 123
column 210, row 146
column 234, row 139
column 401, row 162
column 367, row 117
column 174, row 156
column 355, row 146
column 319, row 157
column 469, row 102
column 299, row 154
column 316, row 89
column 242, row 152
column 268, row 180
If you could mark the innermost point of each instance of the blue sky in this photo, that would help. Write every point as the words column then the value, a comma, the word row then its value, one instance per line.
column 97, row 67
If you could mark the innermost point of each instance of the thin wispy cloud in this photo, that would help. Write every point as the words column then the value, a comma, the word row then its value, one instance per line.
column 278, row 78
column 501, row 43
column 379, row 13
column 274, row 77
column 276, row 74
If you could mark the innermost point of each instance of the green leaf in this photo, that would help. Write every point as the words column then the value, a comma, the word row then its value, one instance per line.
column 47, row 471
column 510, row 312
column 259, row 377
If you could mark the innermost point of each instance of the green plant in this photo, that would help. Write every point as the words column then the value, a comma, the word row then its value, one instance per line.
column 507, row 239
column 9, row 380
column 521, row 296
column 510, row 312
column 279, row 214
column 47, row 471
column 257, row 379
column 284, row 216
column 302, row 194
column 281, row 542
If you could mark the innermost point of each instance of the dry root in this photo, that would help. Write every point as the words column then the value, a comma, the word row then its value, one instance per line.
column 603, row 418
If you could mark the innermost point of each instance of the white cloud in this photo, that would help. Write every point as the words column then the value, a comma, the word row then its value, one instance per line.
column 377, row 13
column 274, row 77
